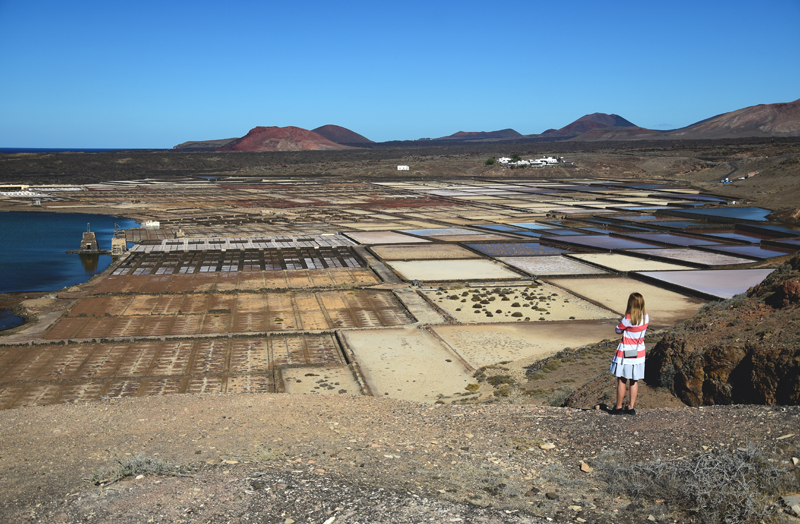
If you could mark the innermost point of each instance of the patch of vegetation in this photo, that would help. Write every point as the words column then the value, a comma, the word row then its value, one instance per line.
column 135, row 466
column 716, row 485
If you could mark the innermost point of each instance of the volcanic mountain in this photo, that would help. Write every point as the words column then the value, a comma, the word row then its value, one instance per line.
column 281, row 139
column 341, row 135
column 588, row 123
column 781, row 119
column 503, row 134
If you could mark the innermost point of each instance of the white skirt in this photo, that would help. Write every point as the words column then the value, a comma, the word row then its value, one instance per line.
column 631, row 371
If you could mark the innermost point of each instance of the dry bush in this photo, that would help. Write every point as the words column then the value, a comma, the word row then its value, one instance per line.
column 133, row 466
column 712, row 486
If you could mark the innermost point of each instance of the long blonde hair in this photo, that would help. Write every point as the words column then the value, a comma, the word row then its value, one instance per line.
column 635, row 308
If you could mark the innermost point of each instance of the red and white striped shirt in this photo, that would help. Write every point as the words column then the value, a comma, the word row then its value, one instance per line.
column 632, row 338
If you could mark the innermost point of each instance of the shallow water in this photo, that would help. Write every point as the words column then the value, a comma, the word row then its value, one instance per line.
column 9, row 320
column 34, row 255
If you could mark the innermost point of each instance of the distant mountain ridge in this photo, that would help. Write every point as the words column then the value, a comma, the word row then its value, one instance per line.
column 483, row 135
column 763, row 120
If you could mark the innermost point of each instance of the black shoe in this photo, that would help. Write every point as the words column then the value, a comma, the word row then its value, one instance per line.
column 616, row 411
column 630, row 411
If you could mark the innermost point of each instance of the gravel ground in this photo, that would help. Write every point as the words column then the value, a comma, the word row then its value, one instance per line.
column 302, row 458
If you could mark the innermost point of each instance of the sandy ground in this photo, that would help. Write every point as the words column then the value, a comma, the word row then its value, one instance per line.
column 521, row 343
column 664, row 307
column 327, row 380
column 535, row 303
column 451, row 270
column 408, row 364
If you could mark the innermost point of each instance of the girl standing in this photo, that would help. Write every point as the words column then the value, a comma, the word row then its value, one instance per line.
column 628, row 361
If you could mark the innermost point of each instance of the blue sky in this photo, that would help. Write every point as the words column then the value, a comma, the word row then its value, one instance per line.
column 149, row 74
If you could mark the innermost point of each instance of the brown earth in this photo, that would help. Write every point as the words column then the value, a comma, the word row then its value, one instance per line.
column 281, row 139
column 781, row 119
column 286, row 458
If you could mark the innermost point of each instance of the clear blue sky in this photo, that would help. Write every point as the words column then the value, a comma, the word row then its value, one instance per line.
column 144, row 74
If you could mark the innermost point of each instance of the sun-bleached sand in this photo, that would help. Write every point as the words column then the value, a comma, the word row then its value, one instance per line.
column 524, row 342
column 445, row 270
column 408, row 363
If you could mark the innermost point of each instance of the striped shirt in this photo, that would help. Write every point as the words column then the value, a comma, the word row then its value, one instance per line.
column 632, row 338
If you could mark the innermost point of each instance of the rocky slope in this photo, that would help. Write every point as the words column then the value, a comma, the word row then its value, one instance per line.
column 745, row 350
column 781, row 119
column 281, row 139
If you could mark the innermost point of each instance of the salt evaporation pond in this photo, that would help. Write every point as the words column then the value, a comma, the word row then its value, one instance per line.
column 720, row 283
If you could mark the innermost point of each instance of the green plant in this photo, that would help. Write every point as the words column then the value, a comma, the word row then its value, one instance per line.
column 490, row 161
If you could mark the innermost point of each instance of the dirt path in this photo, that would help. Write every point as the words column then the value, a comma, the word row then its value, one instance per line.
column 309, row 458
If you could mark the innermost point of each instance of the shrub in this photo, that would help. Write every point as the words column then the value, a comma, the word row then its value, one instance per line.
column 133, row 466
column 714, row 485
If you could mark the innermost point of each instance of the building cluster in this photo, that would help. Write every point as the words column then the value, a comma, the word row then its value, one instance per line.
column 537, row 162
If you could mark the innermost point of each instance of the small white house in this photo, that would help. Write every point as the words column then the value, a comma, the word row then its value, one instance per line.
column 503, row 160
column 402, row 168
column 152, row 224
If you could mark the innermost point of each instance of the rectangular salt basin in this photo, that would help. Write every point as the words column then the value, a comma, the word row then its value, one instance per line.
column 626, row 263
column 424, row 252
column 664, row 307
column 755, row 214
column 721, row 283
column 514, row 303
column 694, row 256
column 407, row 364
column 733, row 234
column 673, row 239
column 446, row 270
column 605, row 242
column 759, row 252
column 551, row 265
column 523, row 343
column 382, row 237
column 518, row 249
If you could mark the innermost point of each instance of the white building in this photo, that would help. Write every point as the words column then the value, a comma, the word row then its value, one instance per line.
column 503, row 160
column 402, row 168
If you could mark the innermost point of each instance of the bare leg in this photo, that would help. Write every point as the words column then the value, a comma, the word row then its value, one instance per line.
column 620, row 392
column 634, row 392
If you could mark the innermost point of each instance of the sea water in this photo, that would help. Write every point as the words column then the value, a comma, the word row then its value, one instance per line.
column 33, row 249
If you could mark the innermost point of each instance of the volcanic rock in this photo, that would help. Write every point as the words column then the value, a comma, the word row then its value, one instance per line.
column 745, row 350
column 281, row 139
